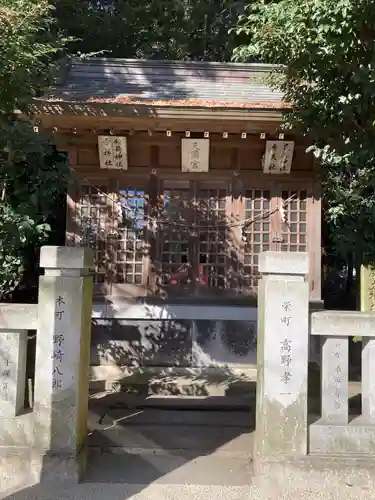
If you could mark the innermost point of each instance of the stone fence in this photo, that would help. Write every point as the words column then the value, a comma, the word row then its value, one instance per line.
column 50, row 438
column 15, row 322
column 334, row 432
column 285, row 329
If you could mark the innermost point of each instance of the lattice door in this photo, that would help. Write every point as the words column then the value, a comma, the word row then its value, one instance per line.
column 131, row 237
column 95, row 220
column 257, row 234
column 294, row 229
column 173, row 230
column 212, row 238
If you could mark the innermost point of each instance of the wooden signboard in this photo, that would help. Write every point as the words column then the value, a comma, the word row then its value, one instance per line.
column 195, row 155
column 113, row 152
column 278, row 157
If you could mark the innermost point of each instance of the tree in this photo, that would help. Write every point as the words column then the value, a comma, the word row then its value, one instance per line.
column 327, row 55
column 32, row 174
column 27, row 47
column 151, row 29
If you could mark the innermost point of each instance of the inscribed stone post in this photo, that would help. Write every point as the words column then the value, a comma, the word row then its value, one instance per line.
column 281, row 420
column 13, row 345
column 62, row 355
column 367, row 284
column 335, row 380
column 16, row 426
column 368, row 380
column 367, row 293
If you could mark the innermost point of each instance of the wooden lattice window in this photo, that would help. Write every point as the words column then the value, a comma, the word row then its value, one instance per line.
column 257, row 233
column 173, row 235
column 193, row 236
column 294, row 229
column 192, row 243
column 131, row 237
column 95, row 221
column 212, row 228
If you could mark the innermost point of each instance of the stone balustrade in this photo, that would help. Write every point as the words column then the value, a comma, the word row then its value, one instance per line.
column 49, row 440
column 282, row 355
column 15, row 321
column 285, row 330
column 335, row 432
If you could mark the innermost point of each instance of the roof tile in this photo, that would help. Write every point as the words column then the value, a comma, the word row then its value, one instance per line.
column 167, row 83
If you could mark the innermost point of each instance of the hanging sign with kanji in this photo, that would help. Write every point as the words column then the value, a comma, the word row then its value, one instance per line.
column 195, row 155
column 113, row 152
column 278, row 157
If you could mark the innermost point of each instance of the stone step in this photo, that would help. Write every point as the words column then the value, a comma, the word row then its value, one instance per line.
column 102, row 417
column 163, row 432
column 175, row 381
column 123, row 400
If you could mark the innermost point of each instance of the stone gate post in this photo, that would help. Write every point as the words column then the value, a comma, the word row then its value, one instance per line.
column 282, row 355
column 62, row 361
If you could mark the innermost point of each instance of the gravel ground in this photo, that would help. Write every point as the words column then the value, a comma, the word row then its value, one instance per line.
column 102, row 491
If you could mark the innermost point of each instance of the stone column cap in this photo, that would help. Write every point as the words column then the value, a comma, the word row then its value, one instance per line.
column 343, row 323
column 52, row 257
column 272, row 262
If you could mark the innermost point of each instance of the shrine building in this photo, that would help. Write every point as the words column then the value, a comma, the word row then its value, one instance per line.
column 182, row 177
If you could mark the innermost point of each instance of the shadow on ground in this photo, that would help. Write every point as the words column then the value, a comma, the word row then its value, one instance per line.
column 134, row 446
column 175, row 444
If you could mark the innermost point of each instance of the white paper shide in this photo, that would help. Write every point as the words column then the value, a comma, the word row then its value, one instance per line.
column 113, row 152
column 195, row 155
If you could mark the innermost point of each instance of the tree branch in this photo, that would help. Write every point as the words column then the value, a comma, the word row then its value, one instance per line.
column 362, row 129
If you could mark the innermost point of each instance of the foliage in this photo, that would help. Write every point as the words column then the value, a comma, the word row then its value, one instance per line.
column 327, row 52
column 32, row 174
column 34, row 177
column 27, row 45
column 151, row 29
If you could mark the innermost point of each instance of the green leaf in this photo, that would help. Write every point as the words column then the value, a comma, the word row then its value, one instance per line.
column 327, row 53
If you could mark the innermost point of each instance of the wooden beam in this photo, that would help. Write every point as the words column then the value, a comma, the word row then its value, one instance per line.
column 217, row 174
column 105, row 123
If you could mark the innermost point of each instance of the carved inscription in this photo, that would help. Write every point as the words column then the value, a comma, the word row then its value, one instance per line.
column 195, row 155
column 6, row 369
column 58, row 345
column 286, row 347
column 337, row 378
column 113, row 152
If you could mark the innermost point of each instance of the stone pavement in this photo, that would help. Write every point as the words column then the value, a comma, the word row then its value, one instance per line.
column 150, row 454
column 184, row 492
column 226, row 478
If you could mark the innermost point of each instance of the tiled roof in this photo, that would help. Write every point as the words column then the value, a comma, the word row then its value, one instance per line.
column 167, row 83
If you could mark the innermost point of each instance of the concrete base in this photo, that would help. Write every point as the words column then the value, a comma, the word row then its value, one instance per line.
column 323, row 473
column 353, row 438
column 17, row 431
column 25, row 466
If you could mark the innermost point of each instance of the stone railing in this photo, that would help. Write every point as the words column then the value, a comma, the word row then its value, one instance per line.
column 282, row 355
column 285, row 329
column 334, row 432
column 15, row 321
column 50, row 438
